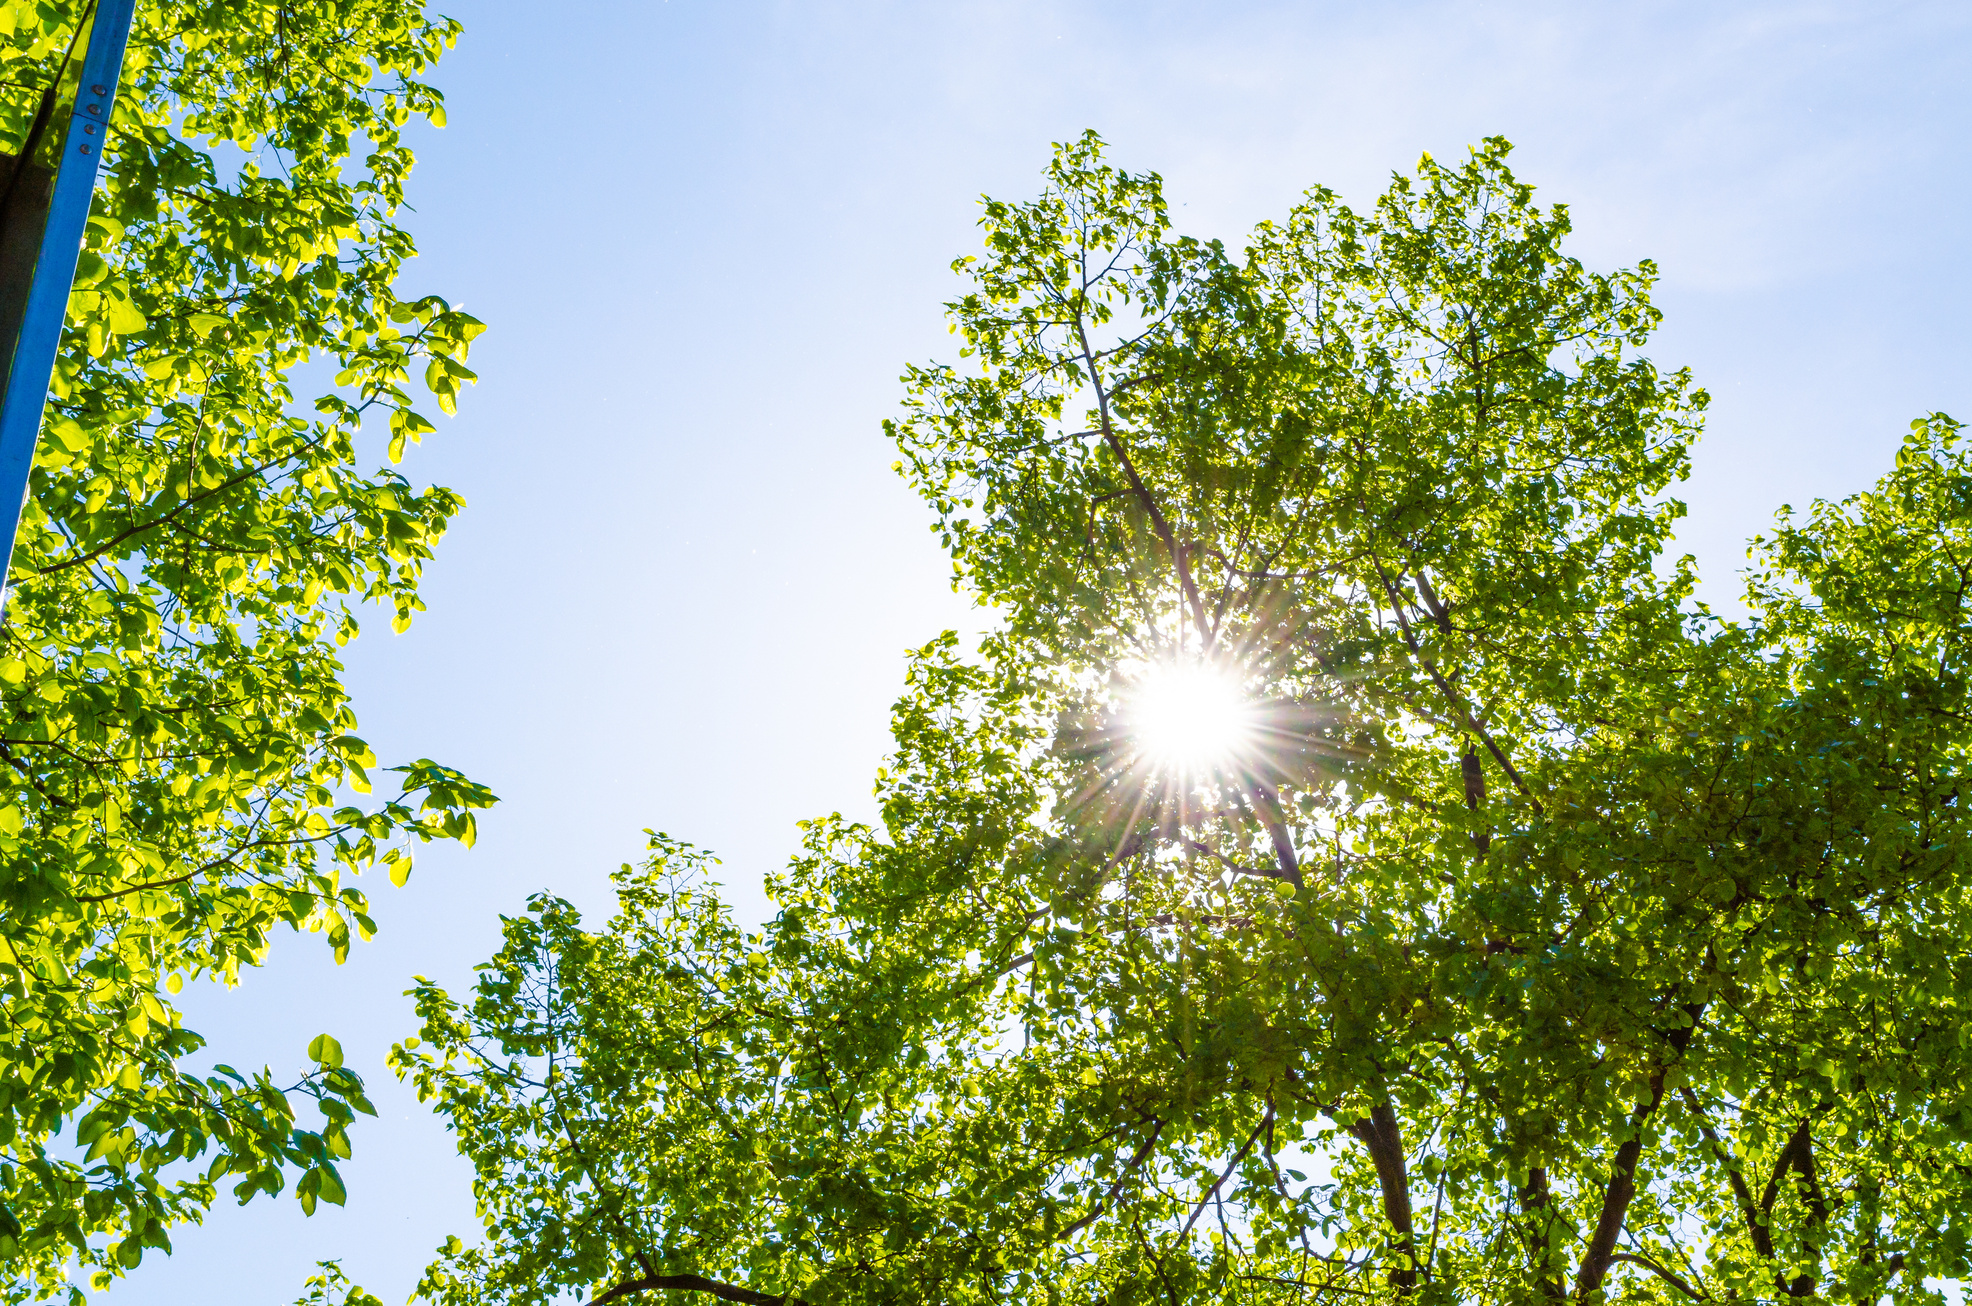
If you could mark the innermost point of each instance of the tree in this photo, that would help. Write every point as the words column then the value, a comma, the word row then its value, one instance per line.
column 1535, row 934
column 179, row 772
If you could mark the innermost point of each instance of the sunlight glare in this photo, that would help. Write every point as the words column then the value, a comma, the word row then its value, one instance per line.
column 1191, row 717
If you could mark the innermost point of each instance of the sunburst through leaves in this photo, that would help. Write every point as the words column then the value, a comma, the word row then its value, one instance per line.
column 1190, row 718
column 1177, row 739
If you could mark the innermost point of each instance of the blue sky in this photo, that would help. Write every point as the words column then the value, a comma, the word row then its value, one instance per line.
column 707, row 237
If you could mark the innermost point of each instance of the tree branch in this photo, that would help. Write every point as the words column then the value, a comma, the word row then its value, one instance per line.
column 1136, row 1163
column 1617, row 1196
column 1266, row 803
column 1384, row 1138
column 1755, row 1225
column 1452, row 695
column 695, row 1283
column 1231, row 1165
column 172, row 515
column 1535, row 1200
column 1158, row 521
column 1800, row 1153
column 1781, row 1165
column 1661, row 1273
column 1206, row 850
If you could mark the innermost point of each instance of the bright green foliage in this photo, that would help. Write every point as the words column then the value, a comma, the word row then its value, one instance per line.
column 1544, row 938
column 332, row 1288
column 180, row 774
column 589, row 1065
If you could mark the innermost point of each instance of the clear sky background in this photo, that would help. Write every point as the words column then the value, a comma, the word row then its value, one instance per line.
column 707, row 237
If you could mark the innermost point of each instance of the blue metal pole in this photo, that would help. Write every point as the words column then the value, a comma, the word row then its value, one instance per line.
column 54, row 269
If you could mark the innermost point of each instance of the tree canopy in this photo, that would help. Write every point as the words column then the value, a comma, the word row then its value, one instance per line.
column 179, row 772
column 1539, row 935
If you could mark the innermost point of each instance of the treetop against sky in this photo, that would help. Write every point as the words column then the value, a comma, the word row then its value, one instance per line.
column 1527, row 932
column 1354, row 862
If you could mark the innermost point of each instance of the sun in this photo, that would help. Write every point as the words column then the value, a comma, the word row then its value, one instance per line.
column 1190, row 717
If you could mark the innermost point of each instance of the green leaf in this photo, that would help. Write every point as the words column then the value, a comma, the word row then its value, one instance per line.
column 307, row 1191
column 325, row 1051
column 124, row 317
column 331, row 1184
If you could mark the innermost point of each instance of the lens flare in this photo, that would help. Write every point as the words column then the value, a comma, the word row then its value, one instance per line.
column 1190, row 717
